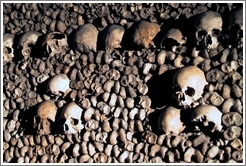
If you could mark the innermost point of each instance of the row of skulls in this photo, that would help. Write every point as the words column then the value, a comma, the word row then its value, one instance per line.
column 208, row 27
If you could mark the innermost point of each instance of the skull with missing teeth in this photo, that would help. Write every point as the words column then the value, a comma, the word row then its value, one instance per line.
column 188, row 86
column 208, row 27
column 71, row 118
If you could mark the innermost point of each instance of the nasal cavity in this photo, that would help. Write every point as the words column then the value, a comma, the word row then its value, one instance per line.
column 66, row 128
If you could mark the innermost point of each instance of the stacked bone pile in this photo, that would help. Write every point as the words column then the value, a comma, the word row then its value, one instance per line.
column 108, row 83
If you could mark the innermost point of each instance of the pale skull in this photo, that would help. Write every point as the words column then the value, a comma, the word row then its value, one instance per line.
column 26, row 44
column 236, row 26
column 188, row 86
column 112, row 37
column 208, row 27
column 44, row 118
column 55, row 43
column 170, row 121
column 8, row 50
column 70, row 118
column 208, row 116
column 59, row 86
column 85, row 38
column 174, row 40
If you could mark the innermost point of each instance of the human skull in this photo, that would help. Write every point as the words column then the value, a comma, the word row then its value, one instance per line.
column 85, row 38
column 144, row 33
column 55, row 43
column 174, row 40
column 208, row 115
column 59, row 86
column 113, row 35
column 236, row 26
column 70, row 118
column 208, row 27
column 27, row 43
column 188, row 85
column 8, row 50
column 44, row 117
column 169, row 121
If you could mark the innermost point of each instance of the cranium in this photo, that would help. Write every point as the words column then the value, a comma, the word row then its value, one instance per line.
column 236, row 26
column 71, row 118
column 27, row 43
column 169, row 121
column 59, row 86
column 54, row 43
column 208, row 115
column 208, row 27
column 188, row 85
column 144, row 33
column 174, row 41
column 45, row 117
column 8, row 50
column 112, row 37
column 85, row 38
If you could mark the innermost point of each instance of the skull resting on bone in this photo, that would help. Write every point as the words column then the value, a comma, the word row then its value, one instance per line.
column 70, row 118
column 59, row 86
column 85, row 38
column 55, row 43
column 174, row 41
column 170, row 121
column 188, row 86
column 27, row 43
column 208, row 27
column 208, row 116
column 144, row 33
column 236, row 26
column 44, row 117
column 112, row 37
column 8, row 50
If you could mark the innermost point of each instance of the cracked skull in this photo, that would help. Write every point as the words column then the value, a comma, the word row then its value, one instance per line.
column 236, row 26
column 174, row 41
column 27, row 43
column 59, row 86
column 208, row 27
column 8, row 50
column 188, row 85
column 208, row 116
column 55, row 43
column 71, row 118
column 45, row 117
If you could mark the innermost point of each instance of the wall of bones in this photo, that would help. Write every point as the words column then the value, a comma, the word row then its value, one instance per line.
column 122, row 83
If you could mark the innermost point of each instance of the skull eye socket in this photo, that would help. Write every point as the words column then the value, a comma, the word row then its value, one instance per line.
column 190, row 91
column 7, row 50
column 216, row 32
column 74, row 121
column 201, row 34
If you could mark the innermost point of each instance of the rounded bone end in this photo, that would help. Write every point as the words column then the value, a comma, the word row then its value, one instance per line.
column 170, row 122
